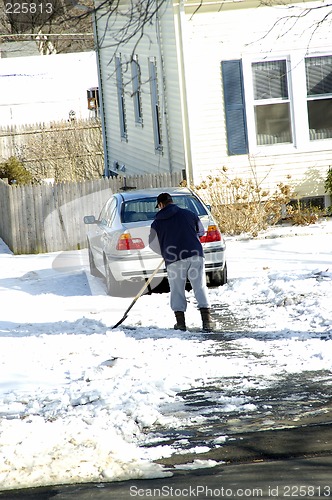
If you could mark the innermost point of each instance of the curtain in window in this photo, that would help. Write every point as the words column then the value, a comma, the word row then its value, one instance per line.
column 319, row 75
column 270, row 80
column 319, row 94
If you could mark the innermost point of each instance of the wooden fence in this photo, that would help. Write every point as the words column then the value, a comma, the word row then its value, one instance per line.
column 58, row 150
column 48, row 218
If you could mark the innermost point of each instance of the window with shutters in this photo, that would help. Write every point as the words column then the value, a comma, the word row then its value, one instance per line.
column 281, row 103
column 136, row 82
column 121, row 101
column 319, row 96
column 271, row 102
column 156, row 115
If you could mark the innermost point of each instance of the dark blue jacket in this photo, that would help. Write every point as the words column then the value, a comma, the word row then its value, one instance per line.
column 175, row 234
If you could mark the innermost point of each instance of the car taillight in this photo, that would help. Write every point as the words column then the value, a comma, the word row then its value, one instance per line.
column 126, row 242
column 212, row 234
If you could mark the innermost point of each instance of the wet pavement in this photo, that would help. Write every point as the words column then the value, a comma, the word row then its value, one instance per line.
column 295, row 462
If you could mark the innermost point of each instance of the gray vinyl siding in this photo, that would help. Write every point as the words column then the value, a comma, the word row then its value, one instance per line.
column 189, row 43
column 138, row 152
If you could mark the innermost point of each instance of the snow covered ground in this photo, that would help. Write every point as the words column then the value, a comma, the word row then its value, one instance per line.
column 80, row 401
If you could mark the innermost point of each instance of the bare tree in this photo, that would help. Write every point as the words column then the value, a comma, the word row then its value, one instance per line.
column 292, row 17
column 66, row 25
column 135, row 15
column 56, row 26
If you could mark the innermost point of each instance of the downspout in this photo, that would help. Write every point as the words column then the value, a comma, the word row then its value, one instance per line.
column 101, row 97
column 179, row 15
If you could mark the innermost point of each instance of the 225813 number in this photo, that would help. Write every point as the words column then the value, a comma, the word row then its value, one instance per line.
column 306, row 491
column 28, row 8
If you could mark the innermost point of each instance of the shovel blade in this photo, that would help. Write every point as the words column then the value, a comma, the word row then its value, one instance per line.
column 119, row 322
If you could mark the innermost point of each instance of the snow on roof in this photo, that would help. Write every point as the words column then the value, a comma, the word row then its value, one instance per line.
column 45, row 88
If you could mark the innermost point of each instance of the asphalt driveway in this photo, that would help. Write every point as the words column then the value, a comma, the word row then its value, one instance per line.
column 285, row 463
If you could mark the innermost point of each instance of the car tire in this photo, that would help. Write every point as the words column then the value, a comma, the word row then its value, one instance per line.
column 93, row 270
column 112, row 286
column 218, row 278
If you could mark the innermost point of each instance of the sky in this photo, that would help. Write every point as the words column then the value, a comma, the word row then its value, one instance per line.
column 81, row 401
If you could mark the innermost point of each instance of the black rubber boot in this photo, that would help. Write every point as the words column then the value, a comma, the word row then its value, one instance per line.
column 180, row 321
column 206, row 319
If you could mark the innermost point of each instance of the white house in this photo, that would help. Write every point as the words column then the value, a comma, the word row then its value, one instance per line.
column 37, row 89
column 222, row 83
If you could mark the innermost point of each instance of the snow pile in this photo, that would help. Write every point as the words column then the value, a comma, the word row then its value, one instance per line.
column 80, row 401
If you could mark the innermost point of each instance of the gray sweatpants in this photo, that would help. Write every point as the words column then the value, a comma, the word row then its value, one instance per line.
column 178, row 272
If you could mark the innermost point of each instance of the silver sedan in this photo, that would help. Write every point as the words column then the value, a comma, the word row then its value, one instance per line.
column 118, row 240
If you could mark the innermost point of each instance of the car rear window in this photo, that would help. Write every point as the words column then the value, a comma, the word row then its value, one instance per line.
column 144, row 208
column 191, row 203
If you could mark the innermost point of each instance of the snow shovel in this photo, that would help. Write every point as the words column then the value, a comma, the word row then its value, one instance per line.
column 144, row 287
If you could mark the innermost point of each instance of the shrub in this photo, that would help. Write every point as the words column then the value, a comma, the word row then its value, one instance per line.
column 304, row 212
column 302, row 216
column 13, row 170
column 242, row 205
column 64, row 151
